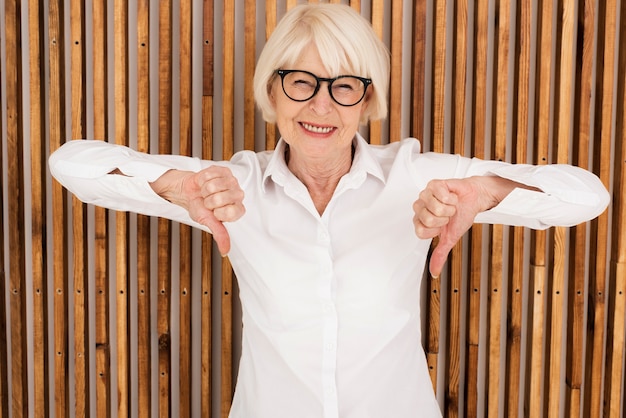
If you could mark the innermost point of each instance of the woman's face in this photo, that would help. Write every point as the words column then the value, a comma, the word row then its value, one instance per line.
column 318, row 128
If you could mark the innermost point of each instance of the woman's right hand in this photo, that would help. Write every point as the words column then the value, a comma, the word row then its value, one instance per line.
column 211, row 196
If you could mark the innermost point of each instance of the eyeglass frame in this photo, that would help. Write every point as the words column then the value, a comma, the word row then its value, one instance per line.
column 282, row 73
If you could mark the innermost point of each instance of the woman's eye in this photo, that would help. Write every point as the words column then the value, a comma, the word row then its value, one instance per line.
column 303, row 83
column 344, row 87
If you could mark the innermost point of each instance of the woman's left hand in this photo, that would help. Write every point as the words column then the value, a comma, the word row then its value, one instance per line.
column 447, row 208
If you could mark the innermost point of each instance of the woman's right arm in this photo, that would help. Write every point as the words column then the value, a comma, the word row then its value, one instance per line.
column 173, row 187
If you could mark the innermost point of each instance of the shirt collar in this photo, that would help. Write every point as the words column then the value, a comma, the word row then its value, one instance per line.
column 364, row 162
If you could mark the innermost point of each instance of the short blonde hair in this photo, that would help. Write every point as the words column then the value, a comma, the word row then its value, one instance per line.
column 345, row 41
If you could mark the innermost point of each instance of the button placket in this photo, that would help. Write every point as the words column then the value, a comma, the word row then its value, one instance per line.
column 330, row 324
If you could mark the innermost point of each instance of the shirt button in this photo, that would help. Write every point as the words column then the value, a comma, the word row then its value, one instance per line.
column 330, row 346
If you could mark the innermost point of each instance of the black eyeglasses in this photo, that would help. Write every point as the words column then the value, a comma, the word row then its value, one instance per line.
column 346, row 90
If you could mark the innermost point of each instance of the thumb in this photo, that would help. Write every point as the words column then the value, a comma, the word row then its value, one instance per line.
column 219, row 232
column 438, row 257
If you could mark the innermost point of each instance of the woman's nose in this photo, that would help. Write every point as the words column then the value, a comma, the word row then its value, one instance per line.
column 322, row 102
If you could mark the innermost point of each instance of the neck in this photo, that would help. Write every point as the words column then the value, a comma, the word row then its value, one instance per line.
column 320, row 177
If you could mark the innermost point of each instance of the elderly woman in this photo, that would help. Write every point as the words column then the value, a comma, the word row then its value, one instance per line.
column 332, row 244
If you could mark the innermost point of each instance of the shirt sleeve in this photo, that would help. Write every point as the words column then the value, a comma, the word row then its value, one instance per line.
column 84, row 167
column 569, row 195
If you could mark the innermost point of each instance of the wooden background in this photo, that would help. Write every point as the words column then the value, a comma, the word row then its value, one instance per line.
column 110, row 314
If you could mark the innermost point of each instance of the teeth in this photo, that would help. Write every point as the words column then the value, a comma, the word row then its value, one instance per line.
column 317, row 129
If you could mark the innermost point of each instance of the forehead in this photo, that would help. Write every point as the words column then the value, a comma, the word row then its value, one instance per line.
column 321, row 60
column 311, row 61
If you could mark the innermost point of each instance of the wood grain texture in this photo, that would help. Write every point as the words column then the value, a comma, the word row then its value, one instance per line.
column 186, row 260
column 516, row 253
column 121, row 236
column 16, row 236
column 228, row 120
column 578, row 235
column 41, row 369
column 81, row 285
column 144, row 259
column 499, row 134
column 101, row 226
column 478, row 106
column 377, row 20
column 534, row 400
column 56, row 33
column 615, row 339
column 457, row 141
column 206, row 270
column 418, row 66
column 395, row 88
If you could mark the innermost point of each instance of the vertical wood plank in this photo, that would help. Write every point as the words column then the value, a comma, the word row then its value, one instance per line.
column 478, row 134
column 206, row 279
column 516, row 254
column 437, row 134
column 79, row 215
column 419, row 70
column 144, row 297
column 206, row 339
column 249, row 60
column 433, row 307
column 566, row 26
column 15, row 187
column 455, row 260
column 5, row 397
column 164, row 239
column 271, row 131
column 122, row 273
column 60, row 218
column 533, row 404
column 498, row 141
column 228, row 115
column 578, row 234
column 101, row 229
column 439, row 72
column 185, row 243
column 615, row 342
column 494, row 314
column 614, row 381
column 378, row 14
column 605, row 90
column 395, row 93
column 41, row 392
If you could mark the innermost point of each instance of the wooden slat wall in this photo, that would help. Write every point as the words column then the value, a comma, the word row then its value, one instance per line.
column 520, row 323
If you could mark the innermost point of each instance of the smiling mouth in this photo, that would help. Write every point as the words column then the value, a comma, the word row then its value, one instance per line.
column 317, row 129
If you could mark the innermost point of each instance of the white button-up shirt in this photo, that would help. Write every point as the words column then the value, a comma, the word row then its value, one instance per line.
column 331, row 313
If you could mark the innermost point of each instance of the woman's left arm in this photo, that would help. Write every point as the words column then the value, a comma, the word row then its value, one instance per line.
column 524, row 195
